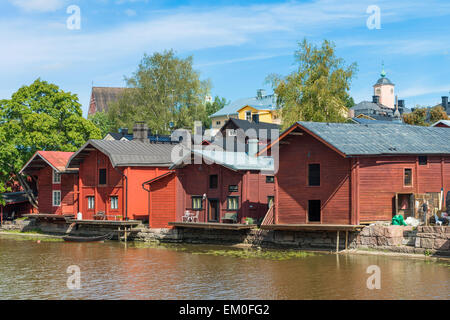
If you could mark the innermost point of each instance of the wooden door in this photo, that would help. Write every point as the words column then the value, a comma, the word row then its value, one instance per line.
column 213, row 210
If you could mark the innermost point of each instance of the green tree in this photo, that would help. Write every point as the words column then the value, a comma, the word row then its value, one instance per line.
column 39, row 117
column 165, row 92
column 422, row 116
column 101, row 120
column 318, row 89
column 211, row 108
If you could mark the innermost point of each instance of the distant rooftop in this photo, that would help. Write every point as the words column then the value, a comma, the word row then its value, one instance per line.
column 260, row 102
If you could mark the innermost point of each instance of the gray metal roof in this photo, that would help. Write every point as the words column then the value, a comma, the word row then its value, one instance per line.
column 267, row 102
column 127, row 153
column 384, row 80
column 379, row 139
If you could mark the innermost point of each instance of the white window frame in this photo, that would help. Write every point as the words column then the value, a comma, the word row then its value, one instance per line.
column 232, row 133
column 88, row 202
column 248, row 116
column 56, row 177
column 116, row 202
column 54, row 198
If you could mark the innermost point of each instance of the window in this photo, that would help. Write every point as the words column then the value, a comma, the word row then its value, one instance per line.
column 248, row 116
column 314, row 174
column 233, row 188
column 233, row 203
column 91, row 202
column 56, row 177
column 213, row 181
column 423, row 160
column 218, row 123
column 56, row 198
column 270, row 179
column 313, row 210
column 114, row 202
column 102, row 176
column 197, row 203
column 407, row 178
column 232, row 133
column 270, row 200
column 255, row 118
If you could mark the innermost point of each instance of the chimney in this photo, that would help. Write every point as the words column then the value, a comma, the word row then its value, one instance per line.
column 123, row 131
column 140, row 132
column 252, row 147
column 445, row 104
column 260, row 93
column 375, row 99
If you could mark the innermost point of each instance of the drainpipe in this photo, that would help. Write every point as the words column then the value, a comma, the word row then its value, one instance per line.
column 126, row 192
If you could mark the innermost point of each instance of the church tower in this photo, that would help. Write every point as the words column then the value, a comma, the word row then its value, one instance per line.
column 384, row 89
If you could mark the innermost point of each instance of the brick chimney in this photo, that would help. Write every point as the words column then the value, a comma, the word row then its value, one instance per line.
column 140, row 132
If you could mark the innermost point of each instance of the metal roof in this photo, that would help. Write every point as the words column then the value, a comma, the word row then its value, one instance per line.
column 267, row 102
column 379, row 139
column 232, row 160
column 369, row 121
column 126, row 153
column 384, row 80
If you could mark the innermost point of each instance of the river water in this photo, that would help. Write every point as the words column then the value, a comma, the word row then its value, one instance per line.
column 112, row 270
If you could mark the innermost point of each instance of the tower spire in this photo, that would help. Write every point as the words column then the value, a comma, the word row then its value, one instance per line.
column 383, row 73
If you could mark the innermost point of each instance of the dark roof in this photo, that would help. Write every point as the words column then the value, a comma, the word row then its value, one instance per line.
column 257, row 126
column 14, row 197
column 389, row 139
column 384, row 80
column 104, row 96
column 152, row 138
column 126, row 153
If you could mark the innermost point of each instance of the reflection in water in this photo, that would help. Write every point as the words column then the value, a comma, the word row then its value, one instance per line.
column 29, row 270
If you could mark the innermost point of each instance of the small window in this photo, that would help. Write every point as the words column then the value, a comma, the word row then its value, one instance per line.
column 213, row 181
column 91, row 202
column 314, row 174
column 56, row 177
column 233, row 188
column 423, row 160
column 232, row 133
column 270, row 200
column 197, row 203
column 102, row 176
column 114, row 202
column 270, row 179
column 408, row 178
column 56, row 198
column 218, row 123
column 248, row 116
column 233, row 203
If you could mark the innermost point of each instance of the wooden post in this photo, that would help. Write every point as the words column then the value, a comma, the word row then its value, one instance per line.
column 337, row 242
column 125, row 236
column 346, row 239
column 118, row 233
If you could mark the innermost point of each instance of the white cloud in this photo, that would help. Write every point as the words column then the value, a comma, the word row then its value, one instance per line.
column 39, row 5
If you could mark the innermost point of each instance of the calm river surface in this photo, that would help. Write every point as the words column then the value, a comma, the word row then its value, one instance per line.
column 31, row 270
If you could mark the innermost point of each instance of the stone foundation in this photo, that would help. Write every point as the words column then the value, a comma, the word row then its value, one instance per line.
column 421, row 240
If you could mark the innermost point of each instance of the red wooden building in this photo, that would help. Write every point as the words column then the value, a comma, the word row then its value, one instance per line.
column 56, row 186
column 125, row 180
column 332, row 173
column 224, row 183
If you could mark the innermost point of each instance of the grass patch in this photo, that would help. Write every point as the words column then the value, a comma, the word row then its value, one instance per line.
column 32, row 231
column 155, row 245
column 259, row 254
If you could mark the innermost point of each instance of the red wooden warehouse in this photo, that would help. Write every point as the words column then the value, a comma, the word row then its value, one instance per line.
column 223, row 185
column 332, row 173
column 125, row 180
column 56, row 186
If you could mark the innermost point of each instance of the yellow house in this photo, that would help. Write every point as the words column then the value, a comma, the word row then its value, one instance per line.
column 261, row 108
column 256, row 114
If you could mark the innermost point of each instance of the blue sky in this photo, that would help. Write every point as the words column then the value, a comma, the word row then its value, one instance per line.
column 234, row 43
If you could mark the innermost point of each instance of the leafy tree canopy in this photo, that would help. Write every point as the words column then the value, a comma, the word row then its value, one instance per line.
column 40, row 117
column 165, row 92
column 101, row 120
column 318, row 90
column 425, row 116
